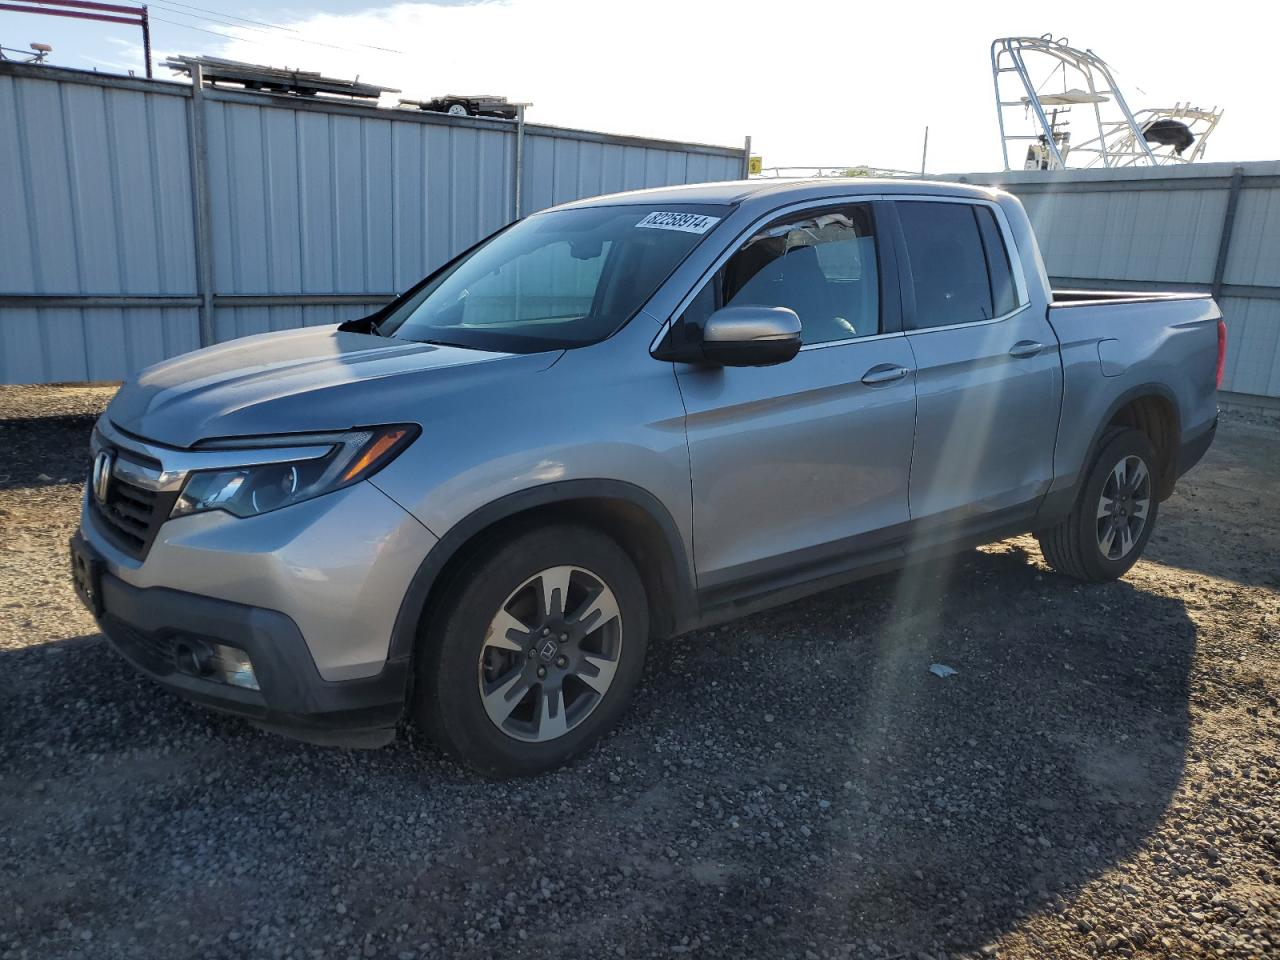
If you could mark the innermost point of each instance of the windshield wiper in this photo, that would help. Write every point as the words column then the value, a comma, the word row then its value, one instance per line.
column 362, row 325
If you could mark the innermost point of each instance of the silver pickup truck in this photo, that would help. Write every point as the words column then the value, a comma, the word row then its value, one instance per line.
column 619, row 419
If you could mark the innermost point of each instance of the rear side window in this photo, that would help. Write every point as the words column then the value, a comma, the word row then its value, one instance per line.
column 1003, row 293
column 948, row 263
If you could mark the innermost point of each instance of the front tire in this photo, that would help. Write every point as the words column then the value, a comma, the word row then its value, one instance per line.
column 1111, row 522
column 535, row 651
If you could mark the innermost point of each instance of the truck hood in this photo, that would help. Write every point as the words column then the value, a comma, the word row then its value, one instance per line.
column 316, row 378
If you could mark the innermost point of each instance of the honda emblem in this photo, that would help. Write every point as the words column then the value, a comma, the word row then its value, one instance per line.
column 101, row 482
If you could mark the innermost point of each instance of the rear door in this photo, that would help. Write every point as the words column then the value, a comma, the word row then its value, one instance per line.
column 799, row 466
column 988, row 374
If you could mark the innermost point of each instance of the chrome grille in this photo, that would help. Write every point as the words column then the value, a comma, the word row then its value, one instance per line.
column 131, row 514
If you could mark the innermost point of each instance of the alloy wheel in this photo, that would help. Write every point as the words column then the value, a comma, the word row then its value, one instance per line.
column 1123, row 507
column 550, row 654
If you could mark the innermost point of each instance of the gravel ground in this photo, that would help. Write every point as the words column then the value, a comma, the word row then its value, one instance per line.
column 1099, row 777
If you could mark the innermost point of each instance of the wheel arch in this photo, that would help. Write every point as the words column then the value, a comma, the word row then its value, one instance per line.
column 636, row 519
column 1153, row 409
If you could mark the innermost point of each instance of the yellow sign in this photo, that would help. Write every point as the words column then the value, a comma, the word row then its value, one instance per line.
column 755, row 165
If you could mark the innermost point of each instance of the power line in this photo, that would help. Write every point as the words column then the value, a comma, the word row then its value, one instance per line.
column 228, row 36
column 260, row 26
column 228, row 16
column 187, row 26
column 213, row 19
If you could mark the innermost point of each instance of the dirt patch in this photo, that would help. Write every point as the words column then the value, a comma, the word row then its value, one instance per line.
column 55, row 400
column 1100, row 777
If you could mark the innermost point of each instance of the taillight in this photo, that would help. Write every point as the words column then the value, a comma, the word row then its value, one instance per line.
column 1222, row 353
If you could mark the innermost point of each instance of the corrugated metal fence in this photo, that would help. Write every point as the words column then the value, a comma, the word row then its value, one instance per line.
column 140, row 219
column 1207, row 226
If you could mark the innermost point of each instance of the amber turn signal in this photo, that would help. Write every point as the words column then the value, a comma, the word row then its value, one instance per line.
column 372, row 455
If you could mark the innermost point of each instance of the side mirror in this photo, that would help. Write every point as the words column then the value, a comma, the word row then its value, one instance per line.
column 750, row 336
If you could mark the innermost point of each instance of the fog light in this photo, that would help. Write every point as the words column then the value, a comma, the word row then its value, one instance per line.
column 232, row 665
column 192, row 657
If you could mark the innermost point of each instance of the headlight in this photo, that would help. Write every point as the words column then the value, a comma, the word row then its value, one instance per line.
column 249, row 491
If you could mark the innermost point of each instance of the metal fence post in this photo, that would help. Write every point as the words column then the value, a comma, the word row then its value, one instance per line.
column 519, row 163
column 1228, row 223
column 200, row 201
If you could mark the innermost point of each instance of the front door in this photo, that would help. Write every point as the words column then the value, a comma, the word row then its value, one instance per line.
column 799, row 467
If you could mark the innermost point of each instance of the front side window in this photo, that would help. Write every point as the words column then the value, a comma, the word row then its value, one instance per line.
column 557, row 280
column 821, row 264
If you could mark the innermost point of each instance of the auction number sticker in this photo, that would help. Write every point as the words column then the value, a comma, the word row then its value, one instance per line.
column 684, row 222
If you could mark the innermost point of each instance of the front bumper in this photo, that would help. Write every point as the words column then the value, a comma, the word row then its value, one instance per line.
column 150, row 626
column 312, row 592
column 339, row 566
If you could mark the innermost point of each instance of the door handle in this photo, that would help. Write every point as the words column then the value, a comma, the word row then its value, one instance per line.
column 884, row 373
column 1025, row 348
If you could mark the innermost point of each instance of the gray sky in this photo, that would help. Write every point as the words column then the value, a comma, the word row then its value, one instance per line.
column 812, row 82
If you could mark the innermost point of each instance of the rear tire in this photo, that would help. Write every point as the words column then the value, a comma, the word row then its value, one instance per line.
column 535, row 651
column 1111, row 522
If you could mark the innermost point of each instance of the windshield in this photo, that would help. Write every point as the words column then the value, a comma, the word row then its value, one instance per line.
column 560, row 279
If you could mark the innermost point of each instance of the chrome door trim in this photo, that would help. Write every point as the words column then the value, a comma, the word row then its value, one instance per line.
column 848, row 340
column 969, row 323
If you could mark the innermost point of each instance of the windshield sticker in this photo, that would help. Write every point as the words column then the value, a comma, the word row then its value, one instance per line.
column 684, row 222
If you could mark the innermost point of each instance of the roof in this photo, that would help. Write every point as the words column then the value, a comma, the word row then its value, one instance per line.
column 736, row 191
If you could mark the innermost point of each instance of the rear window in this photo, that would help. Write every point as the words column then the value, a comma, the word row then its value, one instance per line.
column 950, row 245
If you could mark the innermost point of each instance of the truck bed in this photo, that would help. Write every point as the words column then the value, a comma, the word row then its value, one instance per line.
column 1117, row 343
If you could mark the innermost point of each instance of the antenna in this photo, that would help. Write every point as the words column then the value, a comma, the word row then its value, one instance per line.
column 42, row 50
